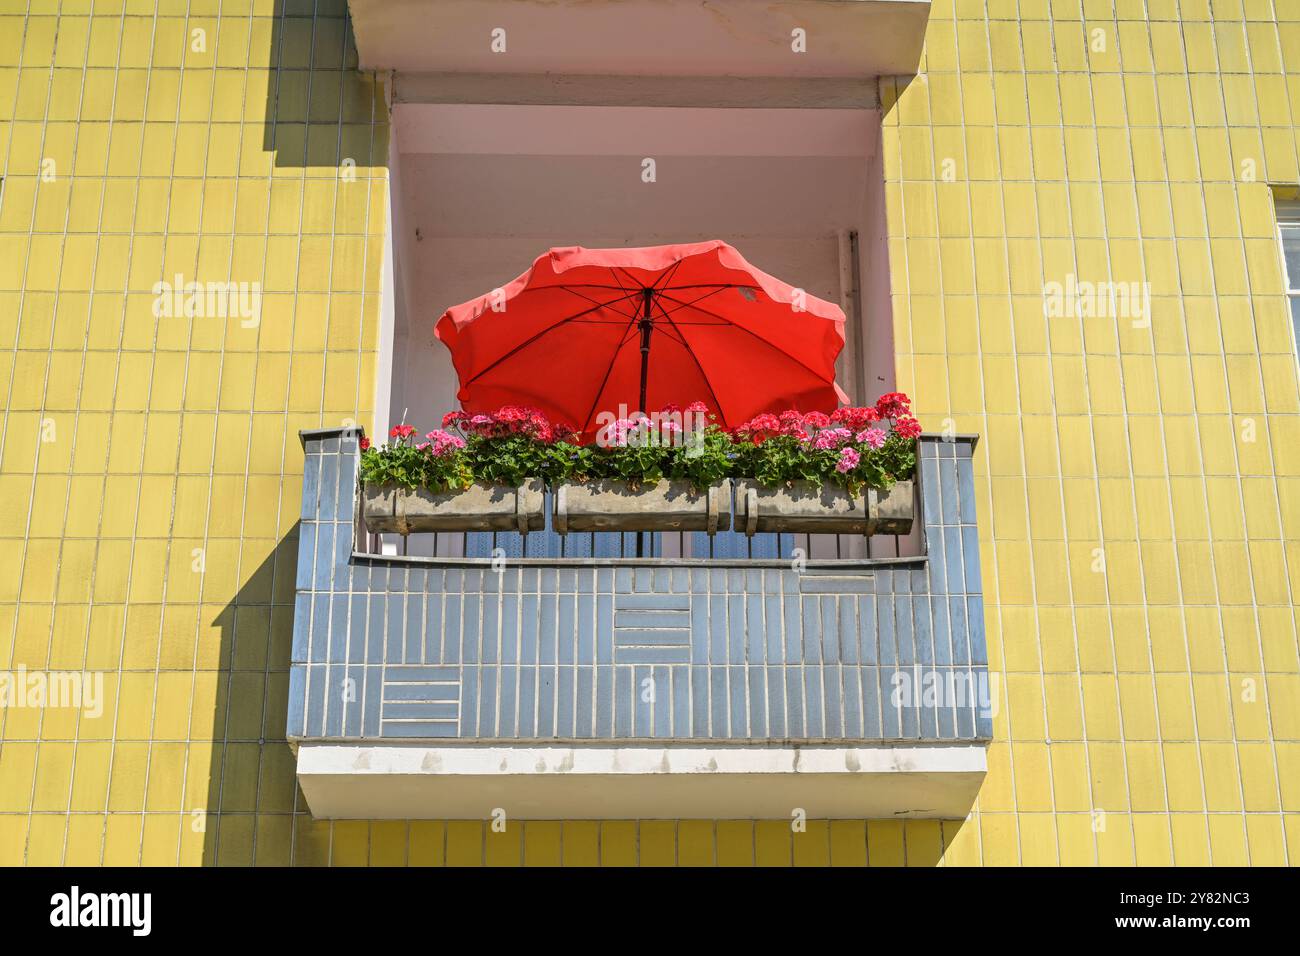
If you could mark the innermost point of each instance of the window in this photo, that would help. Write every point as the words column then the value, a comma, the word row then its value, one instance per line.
column 1288, row 224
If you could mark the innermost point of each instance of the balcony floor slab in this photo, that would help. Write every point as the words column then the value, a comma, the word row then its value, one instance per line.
column 549, row 782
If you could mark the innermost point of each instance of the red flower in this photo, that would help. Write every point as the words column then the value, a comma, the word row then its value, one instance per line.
column 697, row 406
column 792, row 424
column 563, row 431
column 893, row 405
column 817, row 420
column 854, row 417
column 907, row 426
column 402, row 432
column 506, row 421
column 759, row 428
column 364, row 443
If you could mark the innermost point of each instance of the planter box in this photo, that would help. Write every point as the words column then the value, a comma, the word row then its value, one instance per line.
column 480, row 507
column 803, row 508
column 666, row 506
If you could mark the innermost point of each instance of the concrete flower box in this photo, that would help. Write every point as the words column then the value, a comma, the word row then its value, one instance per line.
column 666, row 506
column 803, row 508
column 480, row 507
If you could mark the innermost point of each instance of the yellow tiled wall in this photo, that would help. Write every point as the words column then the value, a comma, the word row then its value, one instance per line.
column 1140, row 487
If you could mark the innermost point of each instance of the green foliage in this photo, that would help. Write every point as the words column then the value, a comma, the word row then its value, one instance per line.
column 702, row 458
column 783, row 459
column 637, row 464
column 409, row 467
column 897, row 459
column 508, row 459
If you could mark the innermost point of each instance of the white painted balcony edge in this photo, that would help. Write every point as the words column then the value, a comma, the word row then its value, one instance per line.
column 532, row 782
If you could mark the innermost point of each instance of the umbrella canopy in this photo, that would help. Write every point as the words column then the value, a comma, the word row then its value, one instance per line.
column 592, row 332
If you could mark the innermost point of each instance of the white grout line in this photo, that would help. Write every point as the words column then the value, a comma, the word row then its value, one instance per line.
column 38, row 742
column 1286, row 575
column 1140, row 539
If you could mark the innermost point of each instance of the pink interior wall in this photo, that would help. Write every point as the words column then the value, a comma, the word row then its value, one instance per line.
column 482, row 190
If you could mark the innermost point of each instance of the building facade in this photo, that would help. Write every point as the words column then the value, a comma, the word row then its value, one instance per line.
column 1062, row 226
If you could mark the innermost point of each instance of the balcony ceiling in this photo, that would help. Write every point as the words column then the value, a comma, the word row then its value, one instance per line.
column 736, row 38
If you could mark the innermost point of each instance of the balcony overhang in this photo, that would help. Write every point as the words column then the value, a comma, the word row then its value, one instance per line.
column 556, row 782
column 732, row 38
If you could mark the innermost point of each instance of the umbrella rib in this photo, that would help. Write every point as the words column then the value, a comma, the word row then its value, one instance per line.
column 529, row 341
column 614, row 270
column 684, row 305
column 622, row 288
column 703, row 374
column 672, row 271
column 614, row 275
column 713, row 285
column 590, row 299
column 565, row 285
column 772, row 345
column 627, row 337
column 608, row 372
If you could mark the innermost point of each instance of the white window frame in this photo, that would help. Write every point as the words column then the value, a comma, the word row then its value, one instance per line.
column 1288, row 216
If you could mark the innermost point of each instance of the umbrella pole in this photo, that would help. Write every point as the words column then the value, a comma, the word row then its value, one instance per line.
column 646, row 325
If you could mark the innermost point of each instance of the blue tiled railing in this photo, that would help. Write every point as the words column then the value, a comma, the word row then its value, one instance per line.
column 598, row 649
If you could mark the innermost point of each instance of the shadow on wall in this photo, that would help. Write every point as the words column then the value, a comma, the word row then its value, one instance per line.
column 252, row 789
column 320, row 111
column 891, row 90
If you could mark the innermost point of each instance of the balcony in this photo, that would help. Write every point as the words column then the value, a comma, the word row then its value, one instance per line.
column 714, row 38
column 690, row 683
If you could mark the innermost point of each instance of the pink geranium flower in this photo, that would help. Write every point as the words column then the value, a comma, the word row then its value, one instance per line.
column 625, row 431
column 829, row 438
column 443, row 443
column 849, row 459
column 871, row 437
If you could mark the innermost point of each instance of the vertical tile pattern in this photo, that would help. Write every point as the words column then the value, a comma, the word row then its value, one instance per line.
column 1137, row 523
column 690, row 651
column 1138, row 551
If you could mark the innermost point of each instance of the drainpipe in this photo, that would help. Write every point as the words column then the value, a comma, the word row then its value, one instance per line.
column 851, row 360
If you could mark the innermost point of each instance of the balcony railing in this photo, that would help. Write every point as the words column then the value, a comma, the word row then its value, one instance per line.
column 554, row 654
column 724, row 546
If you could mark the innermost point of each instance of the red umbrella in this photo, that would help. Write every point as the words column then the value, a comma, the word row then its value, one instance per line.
column 585, row 331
